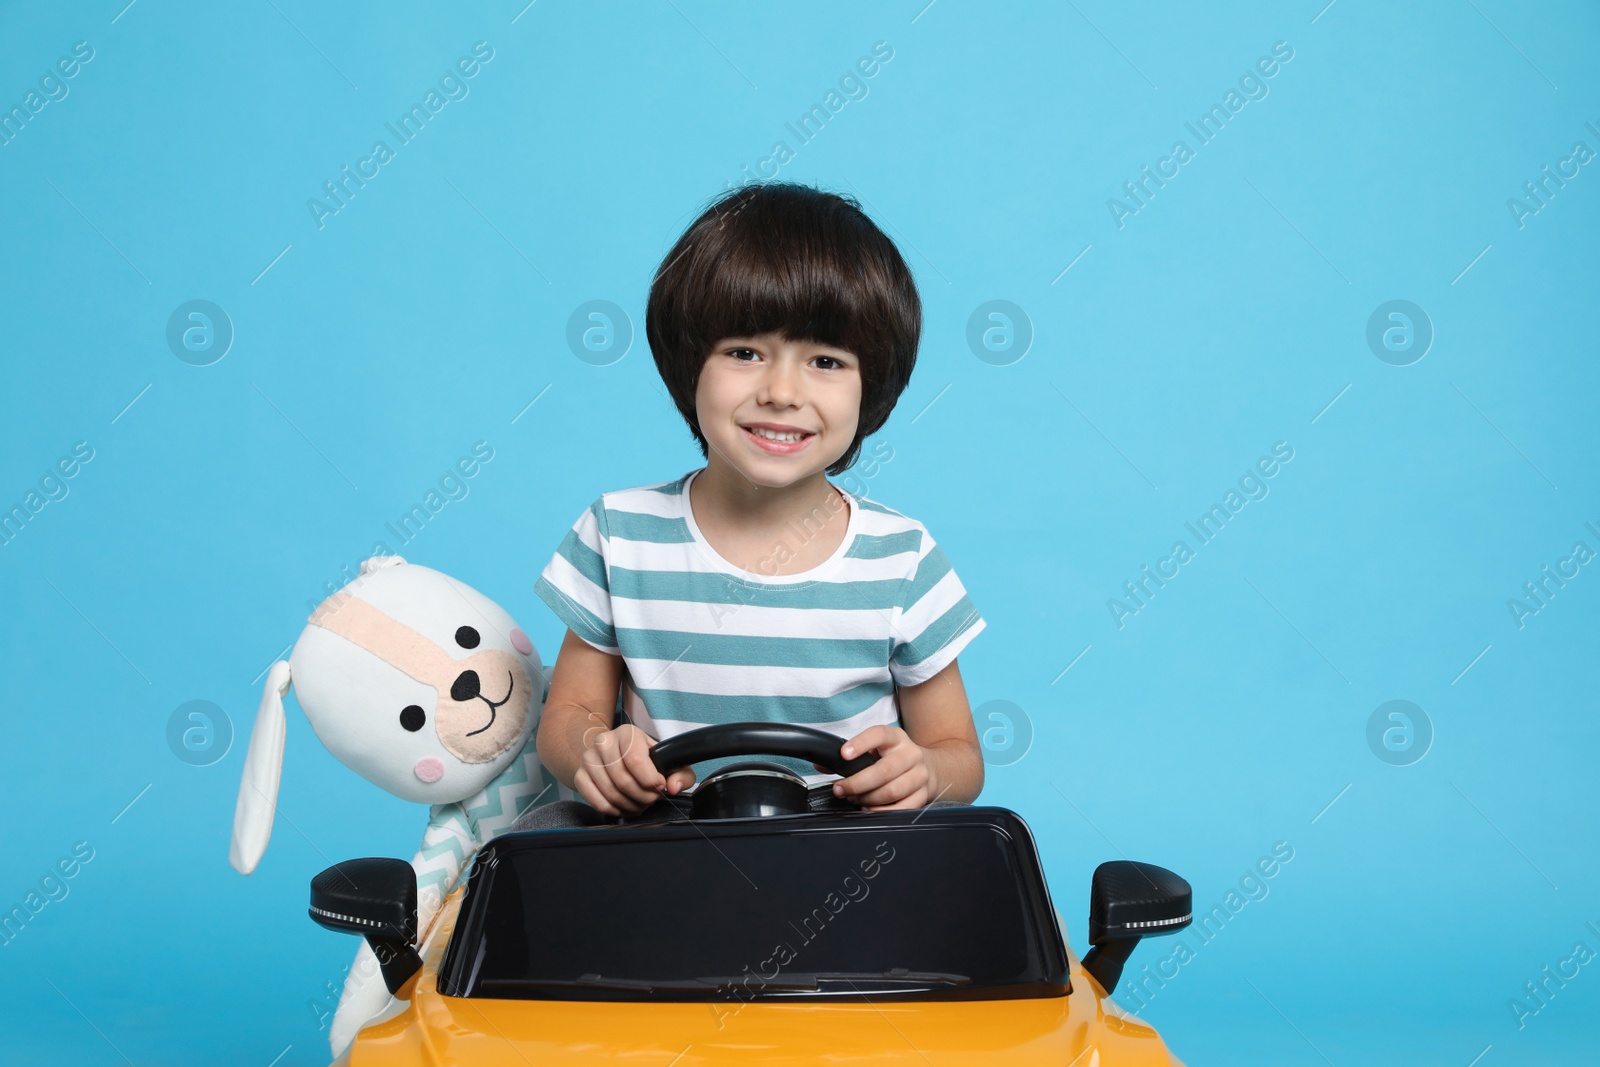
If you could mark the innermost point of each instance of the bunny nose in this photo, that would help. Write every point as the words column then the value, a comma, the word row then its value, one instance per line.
column 465, row 687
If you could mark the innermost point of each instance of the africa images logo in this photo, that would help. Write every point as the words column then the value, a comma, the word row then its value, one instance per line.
column 1138, row 593
column 339, row 191
column 1252, row 86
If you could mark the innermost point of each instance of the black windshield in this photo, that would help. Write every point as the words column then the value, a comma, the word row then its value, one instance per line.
column 952, row 904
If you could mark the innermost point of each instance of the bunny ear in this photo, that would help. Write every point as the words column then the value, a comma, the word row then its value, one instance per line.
column 263, row 766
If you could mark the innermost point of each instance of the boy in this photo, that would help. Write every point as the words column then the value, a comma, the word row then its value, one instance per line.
column 785, row 325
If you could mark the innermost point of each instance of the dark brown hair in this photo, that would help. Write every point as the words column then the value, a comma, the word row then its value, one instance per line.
column 784, row 257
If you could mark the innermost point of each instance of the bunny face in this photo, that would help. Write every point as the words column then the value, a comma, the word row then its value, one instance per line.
column 417, row 682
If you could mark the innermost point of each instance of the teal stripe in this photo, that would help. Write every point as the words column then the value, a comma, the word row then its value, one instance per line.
column 639, row 526
column 586, row 560
column 934, row 566
column 880, row 546
column 719, row 588
column 873, row 505
column 669, row 705
column 736, row 650
column 579, row 619
column 961, row 616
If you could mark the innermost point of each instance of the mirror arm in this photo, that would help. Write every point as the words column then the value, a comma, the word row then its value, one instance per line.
column 1104, row 961
column 397, row 960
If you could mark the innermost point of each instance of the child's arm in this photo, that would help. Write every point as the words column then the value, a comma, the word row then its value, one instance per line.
column 935, row 757
column 610, row 768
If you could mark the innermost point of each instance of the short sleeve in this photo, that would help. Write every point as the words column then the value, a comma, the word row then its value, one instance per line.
column 936, row 618
column 574, row 582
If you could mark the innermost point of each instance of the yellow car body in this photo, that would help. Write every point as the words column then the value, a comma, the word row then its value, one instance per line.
column 1081, row 1029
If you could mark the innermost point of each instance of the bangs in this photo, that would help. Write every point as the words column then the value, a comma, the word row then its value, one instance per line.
column 769, row 271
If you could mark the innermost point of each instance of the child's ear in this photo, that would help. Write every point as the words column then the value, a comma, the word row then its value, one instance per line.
column 263, row 768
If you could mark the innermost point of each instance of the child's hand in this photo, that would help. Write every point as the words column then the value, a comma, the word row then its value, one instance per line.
column 902, row 778
column 615, row 774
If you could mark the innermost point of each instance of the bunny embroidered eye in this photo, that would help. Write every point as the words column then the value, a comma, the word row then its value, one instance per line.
column 467, row 637
column 412, row 717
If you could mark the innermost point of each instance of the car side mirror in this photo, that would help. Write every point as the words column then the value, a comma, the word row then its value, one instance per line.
column 1129, row 901
column 376, row 898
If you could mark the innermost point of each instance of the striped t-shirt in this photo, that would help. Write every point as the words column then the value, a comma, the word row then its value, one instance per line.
column 706, row 642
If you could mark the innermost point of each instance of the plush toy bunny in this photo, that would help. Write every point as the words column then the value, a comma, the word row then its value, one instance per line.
column 426, row 688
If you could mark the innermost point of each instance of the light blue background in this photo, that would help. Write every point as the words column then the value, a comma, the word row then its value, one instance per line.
column 1230, row 313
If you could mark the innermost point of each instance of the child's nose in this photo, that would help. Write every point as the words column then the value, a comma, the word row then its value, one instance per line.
column 780, row 384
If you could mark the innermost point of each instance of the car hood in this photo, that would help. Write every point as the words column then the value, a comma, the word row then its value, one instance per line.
column 1072, row 1030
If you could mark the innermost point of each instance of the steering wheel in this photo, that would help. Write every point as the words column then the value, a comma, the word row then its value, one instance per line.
column 755, row 788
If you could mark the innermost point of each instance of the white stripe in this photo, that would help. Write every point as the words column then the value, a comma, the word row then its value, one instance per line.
column 684, row 676
column 882, row 711
column 687, row 556
column 749, row 620
column 588, row 528
column 908, row 676
column 945, row 594
column 577, row 587
column 644, row 500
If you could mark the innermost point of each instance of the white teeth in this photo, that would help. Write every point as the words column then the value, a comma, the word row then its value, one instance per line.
column 773, row 435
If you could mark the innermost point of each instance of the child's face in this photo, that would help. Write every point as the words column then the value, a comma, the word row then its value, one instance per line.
column 769, row 380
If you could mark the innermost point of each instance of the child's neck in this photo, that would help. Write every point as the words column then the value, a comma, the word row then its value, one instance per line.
column 769, row 529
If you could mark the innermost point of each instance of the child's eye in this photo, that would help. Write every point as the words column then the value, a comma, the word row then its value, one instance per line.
column 734, row 352
column 835, row 363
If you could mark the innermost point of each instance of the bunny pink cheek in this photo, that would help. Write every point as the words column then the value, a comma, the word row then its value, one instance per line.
column 520, row 642
column 429, row 769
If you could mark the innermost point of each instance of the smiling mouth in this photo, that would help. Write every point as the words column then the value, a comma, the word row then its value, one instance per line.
column 781, row 445
column 495, row 705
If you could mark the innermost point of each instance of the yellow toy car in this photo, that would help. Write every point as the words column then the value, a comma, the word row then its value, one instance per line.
column 762, row 925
